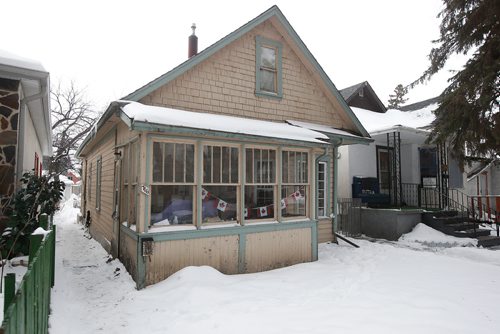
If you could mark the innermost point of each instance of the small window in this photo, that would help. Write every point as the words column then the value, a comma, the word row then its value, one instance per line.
column 268, row 68
column 322, row 189
column 98, row 183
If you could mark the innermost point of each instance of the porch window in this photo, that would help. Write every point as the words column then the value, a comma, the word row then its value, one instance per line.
column 268, row 67
column 220, row 183
column 295, row 186
column 172, row 187
column 384, row 158
column 260, row 183
column 322, row 189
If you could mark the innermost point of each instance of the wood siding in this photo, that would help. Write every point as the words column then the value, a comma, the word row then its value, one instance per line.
column 128, row 253
column 325, row 233
column 220, row 253
column 270, row 250
column 225, row 84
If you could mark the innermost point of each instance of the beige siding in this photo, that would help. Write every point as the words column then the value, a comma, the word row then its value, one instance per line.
column 101, row 227
column 325, row 233
column 220, row 253
column 128, row 253
column 225, row 84
column 270, row 250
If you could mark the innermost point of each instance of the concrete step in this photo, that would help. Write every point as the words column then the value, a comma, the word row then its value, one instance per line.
column 488, row 241
column 471, row 234
column 454, row 219
column 461, row 226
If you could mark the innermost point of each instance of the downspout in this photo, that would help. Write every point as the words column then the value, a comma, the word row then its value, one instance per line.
column 335, row 185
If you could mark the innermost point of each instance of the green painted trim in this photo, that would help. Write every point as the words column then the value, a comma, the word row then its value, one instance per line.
column 141, row 266
column 314, row 242
column 279, row 180
column 348, row 140
column 199, row 185
column 151, row 127
column 147, row 183
column 129, row 232
column 259, row 42
column 242, row 246
column 243, row 179
column 335, row 188
column 225, row 231
column 326, row 159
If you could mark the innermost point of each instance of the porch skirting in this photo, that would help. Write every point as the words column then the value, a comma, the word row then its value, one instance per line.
column 231, row 250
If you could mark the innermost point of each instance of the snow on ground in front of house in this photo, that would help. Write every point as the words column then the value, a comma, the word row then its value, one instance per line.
column 425, row 235
column 377, row 288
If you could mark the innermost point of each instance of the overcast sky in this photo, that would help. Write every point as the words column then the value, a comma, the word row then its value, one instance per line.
column 111, row 48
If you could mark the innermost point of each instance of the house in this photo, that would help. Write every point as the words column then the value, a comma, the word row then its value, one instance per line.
column 402, row 169
column 25, row 127
column 227, row 160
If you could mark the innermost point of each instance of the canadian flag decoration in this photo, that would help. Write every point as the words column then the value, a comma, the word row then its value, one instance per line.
column 204, row 193
column 245, row 212
column 263, row 211
column 221, row 206
column 283, row 204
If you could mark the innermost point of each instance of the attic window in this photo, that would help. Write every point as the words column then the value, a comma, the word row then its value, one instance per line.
column 268, row 78
column 361, row 92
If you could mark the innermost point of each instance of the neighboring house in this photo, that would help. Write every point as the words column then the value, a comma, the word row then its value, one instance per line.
column 226, row 160
column 401, row 168
column 73, row 176
column 25, row 128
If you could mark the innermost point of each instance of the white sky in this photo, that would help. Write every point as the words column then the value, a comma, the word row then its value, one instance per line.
column 111, row 47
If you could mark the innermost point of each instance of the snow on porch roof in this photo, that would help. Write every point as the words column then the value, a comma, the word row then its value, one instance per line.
column 197, row 120
column 328, row 130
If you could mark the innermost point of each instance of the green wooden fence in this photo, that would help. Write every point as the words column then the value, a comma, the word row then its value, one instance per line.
column 27, row 310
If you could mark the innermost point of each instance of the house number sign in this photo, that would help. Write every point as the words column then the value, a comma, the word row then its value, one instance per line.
column 145, row 190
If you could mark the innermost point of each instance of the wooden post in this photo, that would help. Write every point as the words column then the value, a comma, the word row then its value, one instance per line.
column 35, row 242
column 10, row 291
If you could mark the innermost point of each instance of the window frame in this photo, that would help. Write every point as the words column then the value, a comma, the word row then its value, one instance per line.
column 306, row 184
column 278, row 47
column 326, row 185
column 173, row 183
column 98, row 183
column 276, row 204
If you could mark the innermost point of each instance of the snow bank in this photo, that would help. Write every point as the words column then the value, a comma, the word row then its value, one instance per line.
column 427, row 236
column 67, row 213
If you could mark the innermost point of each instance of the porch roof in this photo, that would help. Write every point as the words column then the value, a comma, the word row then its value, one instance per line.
column 408, row 135
column 334, row 134
column 146, row 116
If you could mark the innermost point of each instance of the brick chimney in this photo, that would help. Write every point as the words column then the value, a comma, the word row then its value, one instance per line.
column 193, row 43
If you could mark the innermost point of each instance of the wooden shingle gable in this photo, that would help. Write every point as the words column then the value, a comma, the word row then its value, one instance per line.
column 330, row 107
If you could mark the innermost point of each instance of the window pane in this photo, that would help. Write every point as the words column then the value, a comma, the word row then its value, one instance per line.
column 189, row 163
column 219, row 204
column 225, row 164
column 234, row 165
column 171, row 205
column 168, row 163
column 180, row 150
column 216, row 166
column 207, row 164
column 294, row 198
column 259, row 202
column 284, row 169
column 272, row 166
column 249, row 165
column 267, row 81
column 157, row 162
column 268, row 57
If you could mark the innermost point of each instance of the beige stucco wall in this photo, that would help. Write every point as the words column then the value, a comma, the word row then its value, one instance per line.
column 225, row 84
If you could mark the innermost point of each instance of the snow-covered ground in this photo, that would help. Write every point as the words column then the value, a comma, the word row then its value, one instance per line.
column 399, row 287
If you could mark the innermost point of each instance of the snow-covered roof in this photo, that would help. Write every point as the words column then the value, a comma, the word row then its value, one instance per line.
column 377, row 122
column 197, row 120
column 14, row 60
column 328, row 130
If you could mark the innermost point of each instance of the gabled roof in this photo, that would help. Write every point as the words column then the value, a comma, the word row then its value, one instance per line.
column 350, row 93
column 35, row 87
column 275, row 12
column 421, row 104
